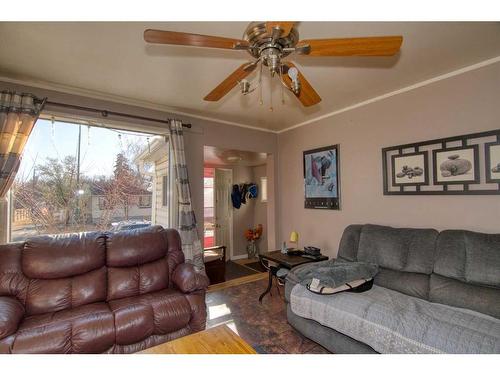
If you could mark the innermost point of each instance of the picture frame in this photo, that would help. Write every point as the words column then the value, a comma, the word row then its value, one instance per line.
column 483, row 153
column 492, row 162
column 411, row 169
column 456, row 165
column 321, row 168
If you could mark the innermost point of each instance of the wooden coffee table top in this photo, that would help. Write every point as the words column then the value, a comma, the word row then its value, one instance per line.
column 217, row 340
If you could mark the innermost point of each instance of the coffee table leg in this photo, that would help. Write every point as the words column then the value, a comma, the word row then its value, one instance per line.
column 269, row 285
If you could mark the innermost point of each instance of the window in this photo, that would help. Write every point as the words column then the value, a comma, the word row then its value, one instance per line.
column 145, row 201
column 76, row 177
column 263, row 189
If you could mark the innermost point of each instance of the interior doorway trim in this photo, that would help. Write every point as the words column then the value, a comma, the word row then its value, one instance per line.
column 230, row 209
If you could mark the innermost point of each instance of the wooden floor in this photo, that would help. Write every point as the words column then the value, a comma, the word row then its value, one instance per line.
column 217, row 340
column 264, row 326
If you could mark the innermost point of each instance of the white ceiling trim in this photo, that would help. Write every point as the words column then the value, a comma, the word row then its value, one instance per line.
column 469, row 68
column 121, row 100
column 160, row 107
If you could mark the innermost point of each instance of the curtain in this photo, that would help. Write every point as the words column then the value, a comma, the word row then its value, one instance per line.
column 191, row 244
column 18, row 114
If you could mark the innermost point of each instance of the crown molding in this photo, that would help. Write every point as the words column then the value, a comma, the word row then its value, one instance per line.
column 122, row 100
column 454, row 73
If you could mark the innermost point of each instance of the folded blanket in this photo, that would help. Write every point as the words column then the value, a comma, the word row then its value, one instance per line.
column 335, row 276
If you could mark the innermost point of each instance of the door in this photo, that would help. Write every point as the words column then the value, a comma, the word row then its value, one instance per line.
column 223, row 214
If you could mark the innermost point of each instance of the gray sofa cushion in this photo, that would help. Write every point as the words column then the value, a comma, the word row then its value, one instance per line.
column 392, row 322
column 452, row 292
column 469, row 257
column 405, row 256
column 401, row 249
column 412, row 284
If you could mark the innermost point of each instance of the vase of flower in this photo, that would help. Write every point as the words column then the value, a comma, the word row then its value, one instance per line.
column 252, row 236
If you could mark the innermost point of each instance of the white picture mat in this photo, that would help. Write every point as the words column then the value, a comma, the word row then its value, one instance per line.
column 442, row 156
column 494, row 160
column 411, row 161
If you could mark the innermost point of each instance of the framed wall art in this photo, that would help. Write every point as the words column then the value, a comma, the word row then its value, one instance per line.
column 410, row 169
column 456, row 165
column 321, row 178
column 492, row 157
column 463, row 164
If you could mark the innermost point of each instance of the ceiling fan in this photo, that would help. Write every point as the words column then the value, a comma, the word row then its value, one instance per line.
column 269, row 43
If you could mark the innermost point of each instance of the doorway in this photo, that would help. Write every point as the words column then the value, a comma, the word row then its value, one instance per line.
column 217, row 213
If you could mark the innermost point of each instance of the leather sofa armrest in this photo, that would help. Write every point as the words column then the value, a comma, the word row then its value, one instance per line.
column 11, row 314
column 187, row 280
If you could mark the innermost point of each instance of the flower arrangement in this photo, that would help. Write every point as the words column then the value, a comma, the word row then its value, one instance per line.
column 252, row 235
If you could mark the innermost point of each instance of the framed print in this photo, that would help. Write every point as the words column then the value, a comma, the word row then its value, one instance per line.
column 492, row 159
column 410, row 169
column 456, row 165
column 321, row 178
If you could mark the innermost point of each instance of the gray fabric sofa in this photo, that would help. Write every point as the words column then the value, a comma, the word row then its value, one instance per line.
column 456, row 268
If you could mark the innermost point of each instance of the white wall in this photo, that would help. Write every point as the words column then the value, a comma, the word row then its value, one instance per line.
column 463, row 104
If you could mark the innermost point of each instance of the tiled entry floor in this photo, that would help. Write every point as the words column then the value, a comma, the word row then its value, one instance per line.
column 264, row 326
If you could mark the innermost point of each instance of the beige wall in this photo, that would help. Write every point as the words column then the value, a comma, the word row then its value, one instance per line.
column 463, row 104
column 203, row 132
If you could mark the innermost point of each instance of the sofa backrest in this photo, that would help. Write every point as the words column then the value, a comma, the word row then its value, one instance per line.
column 52, row 273
column 467, row 271
column 405, row 256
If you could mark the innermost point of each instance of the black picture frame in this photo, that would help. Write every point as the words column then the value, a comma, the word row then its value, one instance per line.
column 331, row 203
column 475, row 166
column 410, row 183
column 487, row 159
column 476, row 187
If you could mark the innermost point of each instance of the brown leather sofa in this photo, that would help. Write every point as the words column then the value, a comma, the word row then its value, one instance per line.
column 98, row 292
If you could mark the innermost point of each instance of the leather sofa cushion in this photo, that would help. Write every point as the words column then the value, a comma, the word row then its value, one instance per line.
column 469, row 257
column 11, row 314
column 139, row 317
column 53, row 295
column 76, row 253
column 85, row 329
column 134, row 281
column 12, row 280
column 136, row 247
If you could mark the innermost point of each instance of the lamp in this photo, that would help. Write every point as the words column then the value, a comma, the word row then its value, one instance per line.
column 294, row 238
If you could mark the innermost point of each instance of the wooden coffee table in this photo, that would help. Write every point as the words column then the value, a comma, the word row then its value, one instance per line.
column 217, row 340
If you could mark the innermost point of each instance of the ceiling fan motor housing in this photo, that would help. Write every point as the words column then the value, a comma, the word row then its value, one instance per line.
column 260, row 42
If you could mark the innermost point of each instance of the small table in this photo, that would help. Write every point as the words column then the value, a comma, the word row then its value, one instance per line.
column 217, row 340
column 277, row 260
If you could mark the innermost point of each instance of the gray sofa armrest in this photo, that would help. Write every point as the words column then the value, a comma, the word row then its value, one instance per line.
column 11, row 314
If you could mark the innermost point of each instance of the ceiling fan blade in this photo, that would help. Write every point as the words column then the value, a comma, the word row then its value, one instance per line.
column 307, row 95
column 230, row 82
column 370, row 46
column 284, row 27
column 195, row 40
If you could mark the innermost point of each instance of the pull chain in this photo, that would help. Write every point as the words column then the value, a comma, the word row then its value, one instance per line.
column 260, row 85
column 270, row 92
column 282, row 91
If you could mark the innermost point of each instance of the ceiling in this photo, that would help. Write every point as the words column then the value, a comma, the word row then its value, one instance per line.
column 216, row 156
column 112, row 58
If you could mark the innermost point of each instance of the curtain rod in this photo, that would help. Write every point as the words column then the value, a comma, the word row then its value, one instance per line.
column 106, row 113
